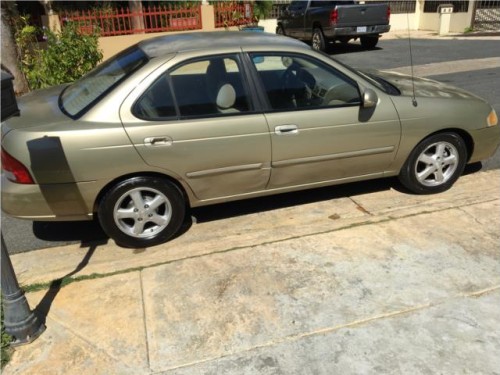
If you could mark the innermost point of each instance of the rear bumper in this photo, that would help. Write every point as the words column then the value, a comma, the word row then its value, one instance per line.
column 54, row 202
column 354, row 31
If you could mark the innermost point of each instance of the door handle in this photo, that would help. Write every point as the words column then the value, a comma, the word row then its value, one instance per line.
column 286, row 129
column 158, row 141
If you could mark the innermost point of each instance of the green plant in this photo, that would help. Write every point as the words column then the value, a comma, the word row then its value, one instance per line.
column 468, row 29
column 67, row 56
column 6, row 339
column 261, row 9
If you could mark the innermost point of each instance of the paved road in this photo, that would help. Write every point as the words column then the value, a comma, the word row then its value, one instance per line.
column 469, row 64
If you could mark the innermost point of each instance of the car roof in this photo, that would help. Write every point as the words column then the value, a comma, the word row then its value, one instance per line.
column 164, row 45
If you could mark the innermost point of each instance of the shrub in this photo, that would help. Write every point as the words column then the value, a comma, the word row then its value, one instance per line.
column 66, row 57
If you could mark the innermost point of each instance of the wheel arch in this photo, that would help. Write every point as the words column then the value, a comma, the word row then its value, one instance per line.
column 317, row 25
column 109, row 185
column 467, row 138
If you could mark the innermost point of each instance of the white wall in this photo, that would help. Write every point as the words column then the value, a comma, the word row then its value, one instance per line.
column 269, row 25
column 404, row 21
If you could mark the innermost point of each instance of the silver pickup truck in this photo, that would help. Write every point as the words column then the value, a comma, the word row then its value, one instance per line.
column 322, row 22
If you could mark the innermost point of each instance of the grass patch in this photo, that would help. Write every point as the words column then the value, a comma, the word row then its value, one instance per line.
column 6, row 339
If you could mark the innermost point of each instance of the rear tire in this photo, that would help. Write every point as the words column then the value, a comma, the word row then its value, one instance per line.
column 142, row 212
column 369, row 42
column 280, row 30
column 435, row 164
column 318, row 40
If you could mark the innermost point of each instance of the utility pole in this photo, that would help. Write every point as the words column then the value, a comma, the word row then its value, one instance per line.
column 20, row 322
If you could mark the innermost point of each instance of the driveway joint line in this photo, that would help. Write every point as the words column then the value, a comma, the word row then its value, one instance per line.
column 144, row 320
column 360, row 207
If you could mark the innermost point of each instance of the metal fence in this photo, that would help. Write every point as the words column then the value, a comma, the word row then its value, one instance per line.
column 486, row 16
column 399, row 6
column 232, row 13
column 431, row 6
column 122, row 21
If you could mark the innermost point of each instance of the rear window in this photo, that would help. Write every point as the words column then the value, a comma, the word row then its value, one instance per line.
column 326, row 3
column 84, row 93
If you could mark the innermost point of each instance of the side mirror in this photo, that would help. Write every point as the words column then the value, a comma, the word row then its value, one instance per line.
column 370, row 98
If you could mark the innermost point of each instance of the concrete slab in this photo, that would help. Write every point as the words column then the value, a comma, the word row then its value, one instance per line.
column 223, row 304
column 103, row 317
column 458, row 336
column 60, row 352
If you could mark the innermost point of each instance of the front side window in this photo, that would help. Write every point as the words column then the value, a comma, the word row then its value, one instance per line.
column 201, row 87
column 85, row 92
column 301, row 82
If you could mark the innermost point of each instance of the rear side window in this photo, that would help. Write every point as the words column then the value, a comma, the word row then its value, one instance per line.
column 202, row 87
column 157, row 102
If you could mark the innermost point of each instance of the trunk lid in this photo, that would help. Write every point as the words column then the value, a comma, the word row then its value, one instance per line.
column 37, row 108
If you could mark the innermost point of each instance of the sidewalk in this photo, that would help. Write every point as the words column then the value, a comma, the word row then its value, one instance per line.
column 375, row 282
column 427, row 34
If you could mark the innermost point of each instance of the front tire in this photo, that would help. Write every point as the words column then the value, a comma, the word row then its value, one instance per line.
column 142, row 212
column 280, row 30
column 435, row 164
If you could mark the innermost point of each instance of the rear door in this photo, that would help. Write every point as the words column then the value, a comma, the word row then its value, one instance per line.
column 197, row 122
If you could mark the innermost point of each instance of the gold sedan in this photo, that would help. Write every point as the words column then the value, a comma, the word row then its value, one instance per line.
column 195, row 119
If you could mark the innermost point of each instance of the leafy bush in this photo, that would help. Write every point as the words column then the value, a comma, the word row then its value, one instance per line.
column 66, row 57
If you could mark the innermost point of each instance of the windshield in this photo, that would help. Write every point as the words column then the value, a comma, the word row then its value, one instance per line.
column 371, row 77
column 82, row 94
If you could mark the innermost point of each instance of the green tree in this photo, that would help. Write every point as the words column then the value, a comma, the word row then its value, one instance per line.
column 10, row 57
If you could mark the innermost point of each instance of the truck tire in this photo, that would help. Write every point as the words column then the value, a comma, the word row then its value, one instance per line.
column 280, row 30
column 369, row 42
column 318, row 40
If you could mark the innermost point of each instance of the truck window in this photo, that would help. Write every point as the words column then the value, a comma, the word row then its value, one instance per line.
column 315, row 4
column 297, row 5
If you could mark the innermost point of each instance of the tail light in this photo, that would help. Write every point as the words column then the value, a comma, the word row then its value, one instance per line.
column 334, row 16
column 15, row 170
column 388, row 13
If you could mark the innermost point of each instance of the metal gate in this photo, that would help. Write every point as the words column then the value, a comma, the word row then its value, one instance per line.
column 486, row 15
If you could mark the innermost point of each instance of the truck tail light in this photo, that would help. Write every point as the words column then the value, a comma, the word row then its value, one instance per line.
column 388, row 13
column 334, row 16
column 15, row 170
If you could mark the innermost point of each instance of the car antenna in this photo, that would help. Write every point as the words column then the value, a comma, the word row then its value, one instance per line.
column 414, row 98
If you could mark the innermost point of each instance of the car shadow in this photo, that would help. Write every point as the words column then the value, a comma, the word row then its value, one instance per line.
column 269, row 203
column 41, row 311
column 86, row 232
column 351, row 47
column 90, row 233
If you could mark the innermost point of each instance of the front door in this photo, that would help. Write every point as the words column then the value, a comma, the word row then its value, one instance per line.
column 319, row 130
